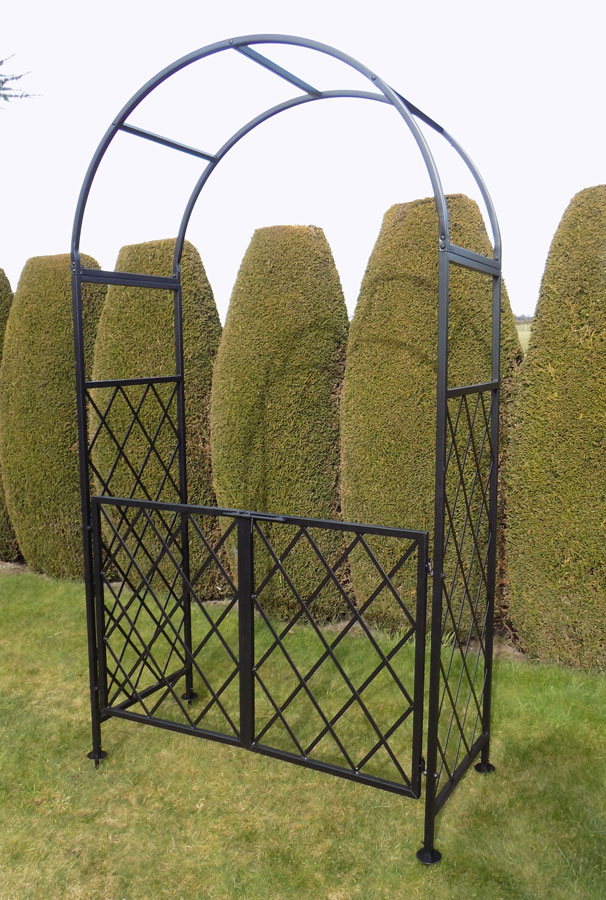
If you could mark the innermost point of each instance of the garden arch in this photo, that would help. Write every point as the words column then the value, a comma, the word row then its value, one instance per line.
column 143, row 605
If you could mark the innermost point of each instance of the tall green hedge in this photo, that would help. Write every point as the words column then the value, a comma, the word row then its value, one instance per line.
column 136, row 340
column 9, row 550
column 557, row 473
column 38, row 424
column 274, row 412
column 389, row 394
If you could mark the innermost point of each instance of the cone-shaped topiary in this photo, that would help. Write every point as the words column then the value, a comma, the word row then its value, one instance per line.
column 274, row 412
column 556, row 475
column 136, row 340
column 389, row 394
column 38, row 422
column 9, row 550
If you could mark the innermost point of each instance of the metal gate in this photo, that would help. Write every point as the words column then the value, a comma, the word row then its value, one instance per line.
column 227, row 669
column 220, row 663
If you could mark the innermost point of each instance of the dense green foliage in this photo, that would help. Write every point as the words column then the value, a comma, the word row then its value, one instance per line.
column 274, row 412
column 557, row 477
column 9, row 550
column 38, row 423
column 389, row 393
column 136, row 340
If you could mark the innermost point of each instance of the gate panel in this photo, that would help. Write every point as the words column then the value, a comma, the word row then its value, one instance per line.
column 341, row 697
column 334, row 695
column 156, row 626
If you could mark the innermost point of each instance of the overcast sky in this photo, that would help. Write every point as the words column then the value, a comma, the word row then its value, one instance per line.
column 519, row 84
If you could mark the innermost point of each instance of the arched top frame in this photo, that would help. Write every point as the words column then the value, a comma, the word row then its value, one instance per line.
column 244, row 45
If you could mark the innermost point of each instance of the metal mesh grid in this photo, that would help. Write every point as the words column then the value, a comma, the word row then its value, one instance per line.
column 465, row 587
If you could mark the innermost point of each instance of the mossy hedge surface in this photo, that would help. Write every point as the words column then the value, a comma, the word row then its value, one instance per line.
column 274, row 412
column 389, row 393
column 557, row 475
column 9, row 550
column 135, row 340
column 38, row 423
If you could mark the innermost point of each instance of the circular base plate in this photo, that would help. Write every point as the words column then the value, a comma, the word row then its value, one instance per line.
column 429, row 857
column 484, row 768
column 189, row 697
column 97, row 755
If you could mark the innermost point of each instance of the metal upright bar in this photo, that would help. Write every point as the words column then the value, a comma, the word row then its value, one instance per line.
column 93, row 663
column 485, row 766
column 246, row 629
column 428, row 853
column 189, row 693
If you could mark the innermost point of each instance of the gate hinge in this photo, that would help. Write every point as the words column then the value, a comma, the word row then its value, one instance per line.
column 429, row 567
column 422, row 766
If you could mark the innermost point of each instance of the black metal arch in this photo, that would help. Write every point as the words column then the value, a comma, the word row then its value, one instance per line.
column 466, row 442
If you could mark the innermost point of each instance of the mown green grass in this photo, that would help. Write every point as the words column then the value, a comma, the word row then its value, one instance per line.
column 168, row 816
column 524, row 330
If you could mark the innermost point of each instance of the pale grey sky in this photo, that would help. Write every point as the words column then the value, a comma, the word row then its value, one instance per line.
column 519, row 85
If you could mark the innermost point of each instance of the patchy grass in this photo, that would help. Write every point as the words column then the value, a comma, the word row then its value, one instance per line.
column 168, row 816
column 524, row 330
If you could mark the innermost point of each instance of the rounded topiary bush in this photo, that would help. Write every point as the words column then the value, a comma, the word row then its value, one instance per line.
column 38, row 422
column 136, row 340
column 556, row 475
column 389, row 395
column 9, row 550
column 275, row 398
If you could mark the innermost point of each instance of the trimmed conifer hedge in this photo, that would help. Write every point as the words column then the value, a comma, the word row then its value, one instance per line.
column 135, row 340
column 556, row 475
column 275, row 398
column 9, row 550
column 389, row 393
column 38, row 423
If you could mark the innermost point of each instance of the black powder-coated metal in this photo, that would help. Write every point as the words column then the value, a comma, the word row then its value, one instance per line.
column 137, row 549
column 146, row 652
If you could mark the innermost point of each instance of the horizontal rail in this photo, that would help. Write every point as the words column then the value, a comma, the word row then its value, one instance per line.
column 129, row 279
column 278, row 70
column 472, row 389
column 459, row 256
column 125, row 382
column 191, row 509
column 330, row 769
column 166, row 142
column 172, row 726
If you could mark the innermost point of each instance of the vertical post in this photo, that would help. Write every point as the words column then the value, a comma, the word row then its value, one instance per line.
column 428, row 853
column 485, row 766
column 96, row 753
column 189, row 693
column 419, row 682
column 246, row 630
column 95, row 629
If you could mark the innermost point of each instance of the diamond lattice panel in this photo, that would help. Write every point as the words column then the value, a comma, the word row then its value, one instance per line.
column 337, row 692
column 465, row 586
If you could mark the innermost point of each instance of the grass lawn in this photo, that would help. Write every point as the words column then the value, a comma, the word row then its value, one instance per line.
column 524, row 331
column 169, row 816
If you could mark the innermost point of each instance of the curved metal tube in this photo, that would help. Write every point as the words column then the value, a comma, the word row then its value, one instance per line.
column 233, row 44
